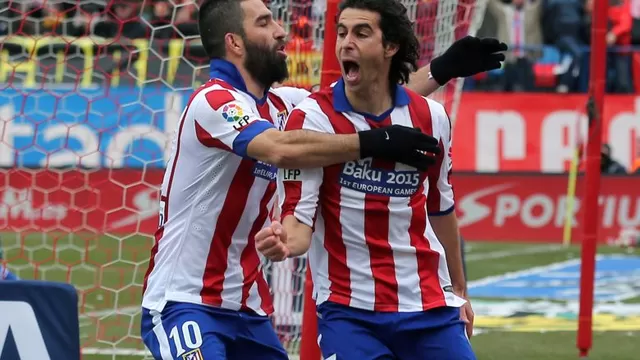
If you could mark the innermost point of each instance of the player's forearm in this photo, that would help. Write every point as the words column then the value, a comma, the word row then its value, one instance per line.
column 422, row 83
column 446, row 229
column 298, row 236
column 304, row 148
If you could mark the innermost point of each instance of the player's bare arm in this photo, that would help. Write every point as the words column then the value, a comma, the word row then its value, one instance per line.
column 465, row 57
column 423, row 82
column 310, row 149
column 298, row 234
column 446, row 229
column 302, row 148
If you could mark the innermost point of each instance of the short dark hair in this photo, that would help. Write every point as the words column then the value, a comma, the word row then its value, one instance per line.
column 396, row 29
column 216, row 18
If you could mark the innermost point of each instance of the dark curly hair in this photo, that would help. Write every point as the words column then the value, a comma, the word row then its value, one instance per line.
column 396, row 29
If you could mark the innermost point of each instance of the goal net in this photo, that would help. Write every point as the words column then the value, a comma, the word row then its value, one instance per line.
column 91, row 92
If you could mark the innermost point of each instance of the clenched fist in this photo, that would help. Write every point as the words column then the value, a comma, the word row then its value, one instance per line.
column 271, row 242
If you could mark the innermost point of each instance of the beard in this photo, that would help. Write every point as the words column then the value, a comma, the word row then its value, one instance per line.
column 264, row 64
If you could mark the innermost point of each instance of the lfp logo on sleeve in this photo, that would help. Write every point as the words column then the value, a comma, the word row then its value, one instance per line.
column 234, row 113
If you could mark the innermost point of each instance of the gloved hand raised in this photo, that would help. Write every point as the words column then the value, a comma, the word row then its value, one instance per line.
column 466, row 57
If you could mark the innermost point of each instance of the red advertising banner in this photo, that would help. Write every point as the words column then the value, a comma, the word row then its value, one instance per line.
column 100, row 201
column 490, row 207
column 532, row 207
column 537, row 132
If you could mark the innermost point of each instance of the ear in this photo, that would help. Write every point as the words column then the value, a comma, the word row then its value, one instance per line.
column 390, row 49
column 234, row 44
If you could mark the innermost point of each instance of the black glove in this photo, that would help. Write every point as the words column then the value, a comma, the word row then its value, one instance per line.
column 399, row 143
column 468, row 56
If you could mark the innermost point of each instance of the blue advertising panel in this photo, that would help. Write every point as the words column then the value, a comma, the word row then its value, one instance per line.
column 98, row 127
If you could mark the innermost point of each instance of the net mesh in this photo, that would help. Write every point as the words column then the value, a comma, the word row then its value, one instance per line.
column 91, row 92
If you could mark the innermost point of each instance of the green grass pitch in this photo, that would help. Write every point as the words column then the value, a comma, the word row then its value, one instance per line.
column 108, row 272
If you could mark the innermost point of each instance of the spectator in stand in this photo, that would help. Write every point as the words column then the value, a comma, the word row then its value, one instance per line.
column 634, row 10
column 171, row 22
column 518, row 24
column 561, row 26
column 618, row 37
column 85, row 20
column 185, row 20
column 161, row 14
column 122, row 20
column 608, row 165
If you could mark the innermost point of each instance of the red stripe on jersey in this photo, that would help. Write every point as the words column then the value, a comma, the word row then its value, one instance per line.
column 433, row 197
column 249, row 260
column 292, row 189
column 228, row 219
column 277, row 102
column 376, row 232
column 218, row 98
column 152, row 262
column 339, row 273
column 165, row 197
column 263, row 110
column 207, row 140
column 427, row 259
column 265, row 294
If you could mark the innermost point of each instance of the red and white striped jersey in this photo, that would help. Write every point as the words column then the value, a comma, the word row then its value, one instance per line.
column 373, row 246
column 214, row 199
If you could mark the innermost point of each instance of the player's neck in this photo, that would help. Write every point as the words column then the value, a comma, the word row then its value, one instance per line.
column 374, row 99
column 253, row 87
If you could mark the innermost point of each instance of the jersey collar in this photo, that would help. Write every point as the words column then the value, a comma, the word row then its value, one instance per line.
column 341, row 103
column 227, row 72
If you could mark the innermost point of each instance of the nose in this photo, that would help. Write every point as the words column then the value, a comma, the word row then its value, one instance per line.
column 346, row 43
column 279, row 33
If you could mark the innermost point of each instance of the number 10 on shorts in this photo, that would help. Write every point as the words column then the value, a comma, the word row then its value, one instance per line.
column 188, row 336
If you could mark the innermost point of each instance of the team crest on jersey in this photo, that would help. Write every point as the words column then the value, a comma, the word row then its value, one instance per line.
column 265, row 171
column 281, row 117
column 361, row 176
column 193, row 355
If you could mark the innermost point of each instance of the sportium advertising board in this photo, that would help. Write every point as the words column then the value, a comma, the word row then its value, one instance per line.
column 519, row 207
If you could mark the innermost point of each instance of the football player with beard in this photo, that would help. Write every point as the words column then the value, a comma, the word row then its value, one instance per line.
column 205, row 295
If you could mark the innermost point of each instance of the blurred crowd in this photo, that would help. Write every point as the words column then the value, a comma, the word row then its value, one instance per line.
column 550, row 44
column 549, row 39
column 133, row 19
column 110, row 19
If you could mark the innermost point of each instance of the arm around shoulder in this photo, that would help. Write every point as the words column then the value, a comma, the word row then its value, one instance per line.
column 303, row 145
